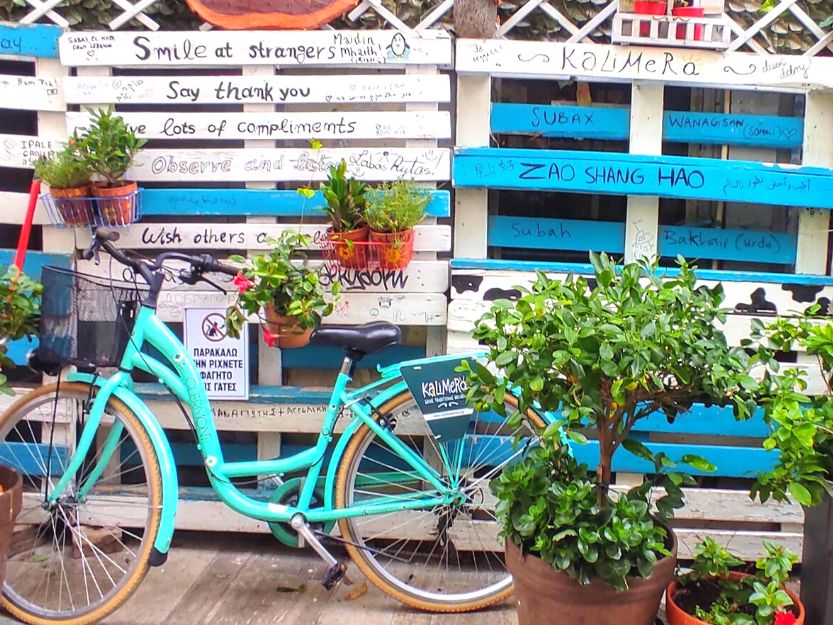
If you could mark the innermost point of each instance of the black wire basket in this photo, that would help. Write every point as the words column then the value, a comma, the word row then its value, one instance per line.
column 86, row 320
column 89, row 211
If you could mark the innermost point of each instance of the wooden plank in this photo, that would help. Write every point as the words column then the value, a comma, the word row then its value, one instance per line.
column 14, row 209
column 23, row 150
column 611, row 63
column 353, row 89
column 345, row 125
column 714, row 243
column 285, row 165
column 36, row 40
column 612, row 123
column 252, row 202
column 637, row 175
column 31, row 93
column 323, row 48
column 557, row 234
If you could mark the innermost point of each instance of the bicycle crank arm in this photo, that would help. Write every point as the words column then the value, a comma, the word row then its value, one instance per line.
column 337, row 568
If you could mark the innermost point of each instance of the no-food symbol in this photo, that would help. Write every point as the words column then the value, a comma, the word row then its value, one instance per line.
column 214, row 327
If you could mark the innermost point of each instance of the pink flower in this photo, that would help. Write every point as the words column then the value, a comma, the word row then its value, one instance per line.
column 242, row 283
column 270, row 339
column 785, row 618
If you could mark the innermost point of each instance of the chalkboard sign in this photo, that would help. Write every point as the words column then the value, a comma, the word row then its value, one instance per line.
column 440, row 393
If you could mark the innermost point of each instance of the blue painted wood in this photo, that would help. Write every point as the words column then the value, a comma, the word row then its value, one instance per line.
column 787, row 279
column 613, row 124
column 38, row 40
column 630, row 174
column 556, row 234
column 702, row 420
column 744, row 245
column 30, row 458
column 326, row 357
column 575, row 122
column 257, row 394
column 253, row 202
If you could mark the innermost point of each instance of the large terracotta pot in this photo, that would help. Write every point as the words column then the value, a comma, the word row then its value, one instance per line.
column 117, row 206
column 394, row 249
column 545, row 595
column 71, row 205
column 350, row 247
column 675, row 615
column 287, row 333
column 11, row 501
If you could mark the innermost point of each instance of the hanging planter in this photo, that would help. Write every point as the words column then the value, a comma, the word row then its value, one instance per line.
column 349, row 248
column 346, row 240
column 116, row 206
column 284, row 331
column 392, row 213
column 394, row 250
column 68, row 178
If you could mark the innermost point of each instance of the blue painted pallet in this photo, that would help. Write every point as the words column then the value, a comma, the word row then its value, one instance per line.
column 252, row 202
column 630, row 174
column 38, row 40
column 556, row 234
column 326, row 357
column 613, row 124
column 476, row 264
column 743, row 245
column 31, row 458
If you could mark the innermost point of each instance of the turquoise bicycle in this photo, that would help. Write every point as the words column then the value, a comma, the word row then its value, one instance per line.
column 413, row 510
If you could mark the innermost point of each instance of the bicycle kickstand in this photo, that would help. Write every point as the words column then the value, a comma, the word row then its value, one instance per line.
column 337, row 568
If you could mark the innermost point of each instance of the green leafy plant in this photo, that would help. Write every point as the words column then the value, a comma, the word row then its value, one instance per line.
column 19, row 314
column 63, row 170
column 396, row 206
column 283, row 278
column 346, row 199
column 108, row 146
column 715, row 595
column 603, row 356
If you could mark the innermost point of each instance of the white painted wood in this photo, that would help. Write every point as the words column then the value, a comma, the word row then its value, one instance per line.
column 131, row 11
column 352, row 89
column 610, row 63
column 814, row 225
column 768, row 17
column 345, row 125
column 283, row 48
column 414, row 309
column 31, row 93
column 642, row 219
column 290, row 164
column 715, row 32
column 14, row 209
column 598, row 19
column 23, row 150
column 41, row 9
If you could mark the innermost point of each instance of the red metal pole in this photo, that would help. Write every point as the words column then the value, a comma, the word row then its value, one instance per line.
column 26, row 229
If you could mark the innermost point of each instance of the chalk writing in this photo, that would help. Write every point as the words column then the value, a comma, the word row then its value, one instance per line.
column 23, row 151
column 362, row 279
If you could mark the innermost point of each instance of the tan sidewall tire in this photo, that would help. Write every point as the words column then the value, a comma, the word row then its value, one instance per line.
column 357, row 555
column 154, row 482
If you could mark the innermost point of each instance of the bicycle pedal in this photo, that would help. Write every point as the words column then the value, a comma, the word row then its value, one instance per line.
column 334, row 575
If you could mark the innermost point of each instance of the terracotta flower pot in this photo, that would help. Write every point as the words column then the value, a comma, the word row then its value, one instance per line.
column 545, row 595
column 394, row 249
column 675, row 615
column 11, row 501
column 117, row 206
column 287, row 332
column 648, row 7
column 689, row 12
column 72, row 206
column 350, row 247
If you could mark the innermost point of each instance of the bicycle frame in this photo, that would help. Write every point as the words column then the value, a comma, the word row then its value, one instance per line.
column 183, row 379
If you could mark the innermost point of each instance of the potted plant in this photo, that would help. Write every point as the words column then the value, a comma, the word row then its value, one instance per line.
column 688, row 8
column 602, row 355
column 68, row 178
column 714, row 594
column 649, row 7
column 392, row 212
column 346, row 202
column 282, row 287
column 108, row 147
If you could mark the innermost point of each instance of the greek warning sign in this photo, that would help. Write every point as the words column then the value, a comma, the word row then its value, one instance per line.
column 223, row 361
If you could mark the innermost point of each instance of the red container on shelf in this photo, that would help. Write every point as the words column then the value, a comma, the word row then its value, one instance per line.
column 689, row 12
column 648, row 7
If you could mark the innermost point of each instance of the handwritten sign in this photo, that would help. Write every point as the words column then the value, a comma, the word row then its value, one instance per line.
column 628, row 174
column 282, row 48
column 343, row 125
column 556, row 234
column 562, row 61
column 440, row 394
column 30, row 93
column 38, row 40
column 370, row 88
column 291, row 164
column 743, row 245
column 223, row 361
column 23, row 150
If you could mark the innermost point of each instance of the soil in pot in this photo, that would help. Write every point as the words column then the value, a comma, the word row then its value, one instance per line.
column 72, row 205
column 394, row 249
column 117, row 205
column 287, row 333
column 350, row 247
column 648, row 7
column 544, row 595
column 681, row 603
column 689, row 12
column 11, row 501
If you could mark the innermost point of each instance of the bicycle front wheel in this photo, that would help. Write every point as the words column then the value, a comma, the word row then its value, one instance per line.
column 77, row 560
column 443, row 558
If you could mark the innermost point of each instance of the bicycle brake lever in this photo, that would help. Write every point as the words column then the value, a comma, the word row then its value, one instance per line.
column 214, row 284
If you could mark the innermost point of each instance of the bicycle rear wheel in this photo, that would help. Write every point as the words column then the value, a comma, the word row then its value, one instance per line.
column 440, row 558
column 78, row 560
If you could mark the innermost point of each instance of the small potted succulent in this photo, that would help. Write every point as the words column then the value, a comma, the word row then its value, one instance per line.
column 108, row 147
column 346, row 200
column 602, row 353
column 715, row 594
column 68, row 178
column 688, row 8
column 392, row 212
column 285, row 290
